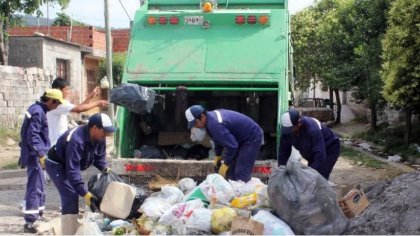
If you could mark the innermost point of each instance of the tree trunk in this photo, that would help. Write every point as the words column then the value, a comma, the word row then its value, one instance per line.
column 331, row 98
column 373, row 116
column 337, row 97
column 4, row 40
column 407, row 131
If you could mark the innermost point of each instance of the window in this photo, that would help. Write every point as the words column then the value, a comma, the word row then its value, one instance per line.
column 62, row 68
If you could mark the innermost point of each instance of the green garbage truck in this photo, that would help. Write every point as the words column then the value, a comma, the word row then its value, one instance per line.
column 230, row 54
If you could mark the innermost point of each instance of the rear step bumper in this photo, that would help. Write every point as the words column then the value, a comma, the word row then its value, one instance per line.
column 177, row 169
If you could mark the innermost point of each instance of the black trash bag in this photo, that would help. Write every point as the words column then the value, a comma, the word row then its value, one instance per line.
column 97, row 185
column 141, row 195
column 151, row 153
column 198, row 152
column 135, row 98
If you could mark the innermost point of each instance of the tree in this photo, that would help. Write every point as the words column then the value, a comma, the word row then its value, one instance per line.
column 118, row 63
column 366, row 22
column 401, row 68
column 63, row 19
column 335, row 48
column 7, row 10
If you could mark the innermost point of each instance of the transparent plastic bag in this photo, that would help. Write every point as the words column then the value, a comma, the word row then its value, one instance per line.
column 305, row 201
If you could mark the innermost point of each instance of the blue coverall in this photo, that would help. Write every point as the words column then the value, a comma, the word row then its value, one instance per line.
column 34, row 145
column 241, row 139
column 74, row 152
column 315, row 142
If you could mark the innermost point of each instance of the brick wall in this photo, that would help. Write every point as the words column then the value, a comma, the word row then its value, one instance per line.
column 120, row 40
column 19, row 88
column 88, row 36
column 84, row 35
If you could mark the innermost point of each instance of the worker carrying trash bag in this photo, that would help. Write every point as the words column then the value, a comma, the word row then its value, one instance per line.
column 237, row 134
column 315, row 142
column 76, row 150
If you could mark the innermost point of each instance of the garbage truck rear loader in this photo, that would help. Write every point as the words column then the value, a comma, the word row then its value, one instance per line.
column 230, row 54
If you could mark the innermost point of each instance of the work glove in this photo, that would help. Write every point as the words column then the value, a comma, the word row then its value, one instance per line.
column 91, row 201
column 223, row 170
column 217, row 162
column 42, row 162
column 106, row 170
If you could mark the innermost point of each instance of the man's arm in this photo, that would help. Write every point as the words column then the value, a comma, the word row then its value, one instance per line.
column 318, row 149
column 285, row 149
column 33, row 134
column 96, row 91
column 84, row 107
column 74, row 153
column 99, row 160
column 229, row 143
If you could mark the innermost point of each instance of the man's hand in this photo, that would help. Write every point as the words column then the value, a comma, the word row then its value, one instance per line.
column 89, row 199
column 102, row 103
column 223, row 170
column 217, row 162
column 42, row 162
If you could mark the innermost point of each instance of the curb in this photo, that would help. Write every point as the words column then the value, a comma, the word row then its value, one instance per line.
column 7, row 174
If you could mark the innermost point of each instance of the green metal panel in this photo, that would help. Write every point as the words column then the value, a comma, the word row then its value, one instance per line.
column 222, row 57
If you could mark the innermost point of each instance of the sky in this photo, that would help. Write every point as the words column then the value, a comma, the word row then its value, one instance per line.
column 92, row 11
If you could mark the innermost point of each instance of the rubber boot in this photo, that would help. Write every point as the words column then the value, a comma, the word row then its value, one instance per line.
column 69, row 224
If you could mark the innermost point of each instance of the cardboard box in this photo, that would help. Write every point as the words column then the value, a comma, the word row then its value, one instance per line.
column 245, row 226
column 354, row 202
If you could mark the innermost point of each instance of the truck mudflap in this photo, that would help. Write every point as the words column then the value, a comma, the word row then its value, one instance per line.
column 177, row 169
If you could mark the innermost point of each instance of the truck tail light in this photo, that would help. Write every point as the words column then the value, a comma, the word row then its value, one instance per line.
column 151, row 20
column 163, row 20
column 240, row 20
column 252, row 19
column 263, row 20
column 173, row 20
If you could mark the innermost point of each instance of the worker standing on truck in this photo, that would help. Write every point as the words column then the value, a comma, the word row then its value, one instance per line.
column 75, row 151
column 232, row 132
column 315, row 142
column 34, row 146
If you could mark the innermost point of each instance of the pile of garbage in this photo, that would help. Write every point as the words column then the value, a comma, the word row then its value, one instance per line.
column 296, row 200
column 394, row 207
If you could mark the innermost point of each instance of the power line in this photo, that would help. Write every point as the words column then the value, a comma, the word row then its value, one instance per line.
column 125, row 10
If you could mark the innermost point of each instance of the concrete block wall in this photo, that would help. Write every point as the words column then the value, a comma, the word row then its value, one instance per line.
column 20, row 88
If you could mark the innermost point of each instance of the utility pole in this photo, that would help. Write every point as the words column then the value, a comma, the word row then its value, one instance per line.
column 109, row 60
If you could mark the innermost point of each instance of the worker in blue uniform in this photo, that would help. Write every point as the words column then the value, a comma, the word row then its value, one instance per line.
column 34, row 146
column 75, row 151
column 315, row 142
column 234, row 134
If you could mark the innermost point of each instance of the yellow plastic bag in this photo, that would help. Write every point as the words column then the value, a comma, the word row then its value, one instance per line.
column 244, row 201
column 221, row 219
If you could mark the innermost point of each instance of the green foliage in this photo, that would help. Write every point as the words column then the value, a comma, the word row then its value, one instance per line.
column 118, row 63
column 359, row 157
column 368, row 24
column 401, row 49
column 64, row 20
column 9, row 133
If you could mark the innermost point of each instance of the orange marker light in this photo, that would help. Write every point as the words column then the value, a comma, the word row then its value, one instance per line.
column 263, row 20
column 151, row 20
column 207, row 7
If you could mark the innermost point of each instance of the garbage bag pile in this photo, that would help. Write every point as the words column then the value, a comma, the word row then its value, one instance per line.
column 296, row 200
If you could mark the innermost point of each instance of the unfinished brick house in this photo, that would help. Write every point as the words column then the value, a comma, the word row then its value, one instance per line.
column 71, row 52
